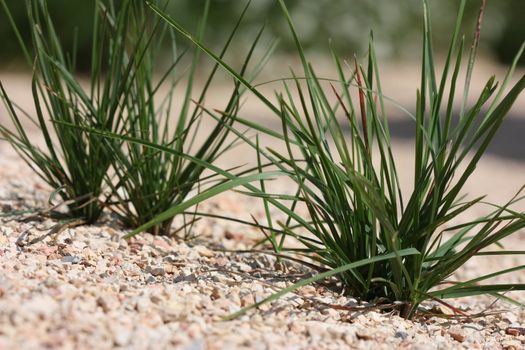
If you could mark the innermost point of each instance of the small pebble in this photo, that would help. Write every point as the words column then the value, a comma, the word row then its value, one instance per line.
column 457, row 334
column 73, row 259
column 401, row 334
column 158, row 271
column 515, row 331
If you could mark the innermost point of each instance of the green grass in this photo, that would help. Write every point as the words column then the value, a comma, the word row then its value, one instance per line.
column 149, row 182
column 161, row 153
column 382, row 244
column 74, row 163
column 100, row 143
column 362, row 229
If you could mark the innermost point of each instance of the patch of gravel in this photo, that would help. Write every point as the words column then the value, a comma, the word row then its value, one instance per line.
column 87, row 288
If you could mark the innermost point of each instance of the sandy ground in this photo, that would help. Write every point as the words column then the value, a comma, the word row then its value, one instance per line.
column 88, row 288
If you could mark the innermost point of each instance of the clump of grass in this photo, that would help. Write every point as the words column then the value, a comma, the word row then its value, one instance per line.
column 360, row 229
column 74, row 163
column 149, row 182
column 160, row 163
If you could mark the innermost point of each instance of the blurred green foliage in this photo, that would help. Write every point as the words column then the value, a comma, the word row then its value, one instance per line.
column 347, row 23
column 72, row 19
column 513, row 31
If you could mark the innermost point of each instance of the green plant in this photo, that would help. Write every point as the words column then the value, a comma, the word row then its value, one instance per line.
column 360, row 229
column 149, row 182
column 74, row 163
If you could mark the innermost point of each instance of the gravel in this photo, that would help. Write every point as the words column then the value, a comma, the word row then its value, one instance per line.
column 88, row 288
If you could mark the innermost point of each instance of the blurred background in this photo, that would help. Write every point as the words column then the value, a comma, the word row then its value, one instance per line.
column 396, row 24
column 346, row 24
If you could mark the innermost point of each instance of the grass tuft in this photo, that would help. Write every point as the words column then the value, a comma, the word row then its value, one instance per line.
column 149, row 182
column 74, row 163
column 360, row 227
